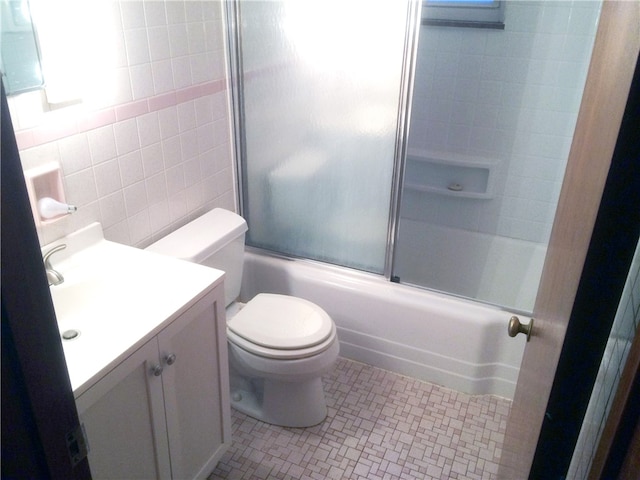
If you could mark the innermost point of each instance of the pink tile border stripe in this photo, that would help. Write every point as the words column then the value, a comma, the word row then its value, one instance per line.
column 65, row 127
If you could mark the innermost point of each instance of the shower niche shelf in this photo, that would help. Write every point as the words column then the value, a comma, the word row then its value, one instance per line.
column 450, row 174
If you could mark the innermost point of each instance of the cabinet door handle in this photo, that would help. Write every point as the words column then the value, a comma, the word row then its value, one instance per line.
column 156, row 370
column 170, row 359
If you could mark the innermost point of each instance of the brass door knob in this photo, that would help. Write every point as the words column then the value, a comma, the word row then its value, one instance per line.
column 515, row 327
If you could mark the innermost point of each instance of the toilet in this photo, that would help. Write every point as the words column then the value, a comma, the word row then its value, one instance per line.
column 279, row 345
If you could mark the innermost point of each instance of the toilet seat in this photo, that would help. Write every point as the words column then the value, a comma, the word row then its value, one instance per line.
column 281, row 326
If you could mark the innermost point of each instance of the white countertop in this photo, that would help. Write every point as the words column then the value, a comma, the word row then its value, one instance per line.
column 118, row 297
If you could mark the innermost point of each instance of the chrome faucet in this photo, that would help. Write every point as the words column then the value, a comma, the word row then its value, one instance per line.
column 53, row 276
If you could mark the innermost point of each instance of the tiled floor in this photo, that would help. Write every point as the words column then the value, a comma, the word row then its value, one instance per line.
column 380, row 426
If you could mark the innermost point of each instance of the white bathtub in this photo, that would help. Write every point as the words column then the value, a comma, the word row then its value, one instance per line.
column 452, row 342
column 491, row 268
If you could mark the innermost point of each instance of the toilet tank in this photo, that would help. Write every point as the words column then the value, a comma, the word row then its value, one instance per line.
column 216, row 239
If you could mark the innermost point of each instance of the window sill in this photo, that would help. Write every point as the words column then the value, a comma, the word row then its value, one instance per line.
column 462, row 23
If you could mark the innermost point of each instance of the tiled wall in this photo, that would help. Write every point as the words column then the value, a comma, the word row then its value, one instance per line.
column 623, row 331
column 511, row 96
column 154, row 152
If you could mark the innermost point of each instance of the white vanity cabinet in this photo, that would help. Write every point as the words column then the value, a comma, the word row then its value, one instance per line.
column 163, row 412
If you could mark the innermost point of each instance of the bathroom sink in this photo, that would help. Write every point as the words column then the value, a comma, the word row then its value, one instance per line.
column 114, row 298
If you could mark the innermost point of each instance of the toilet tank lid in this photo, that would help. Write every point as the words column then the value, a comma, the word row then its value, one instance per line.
column 201, row 237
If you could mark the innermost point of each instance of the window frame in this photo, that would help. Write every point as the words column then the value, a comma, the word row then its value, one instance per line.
column 464, row 13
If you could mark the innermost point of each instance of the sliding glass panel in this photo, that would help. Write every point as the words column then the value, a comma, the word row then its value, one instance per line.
column 492, row 121
column 320, row 92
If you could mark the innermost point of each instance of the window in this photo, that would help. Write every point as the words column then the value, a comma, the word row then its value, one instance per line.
column 464, row 13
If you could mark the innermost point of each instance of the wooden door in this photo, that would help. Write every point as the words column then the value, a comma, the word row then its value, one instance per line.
column 38, row 409
column 614, row 57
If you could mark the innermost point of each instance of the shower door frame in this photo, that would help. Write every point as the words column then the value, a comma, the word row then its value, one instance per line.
column 405, row 102
column 410, row 52
column 236, row 86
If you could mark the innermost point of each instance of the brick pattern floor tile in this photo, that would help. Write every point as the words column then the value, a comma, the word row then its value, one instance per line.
column 380, row 426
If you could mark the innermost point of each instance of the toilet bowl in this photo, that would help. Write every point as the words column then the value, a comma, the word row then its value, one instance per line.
column 279, row 345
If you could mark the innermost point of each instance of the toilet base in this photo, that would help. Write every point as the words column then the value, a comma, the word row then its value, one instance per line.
column 288, row 404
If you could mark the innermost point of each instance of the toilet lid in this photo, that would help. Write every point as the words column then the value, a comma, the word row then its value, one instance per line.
column 281, row 322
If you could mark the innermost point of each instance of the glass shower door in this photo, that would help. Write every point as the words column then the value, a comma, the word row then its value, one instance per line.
column 492, row 121
column 320, row 83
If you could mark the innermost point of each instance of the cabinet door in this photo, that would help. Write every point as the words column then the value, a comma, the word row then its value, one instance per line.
column 196, row 387
column 123, row 415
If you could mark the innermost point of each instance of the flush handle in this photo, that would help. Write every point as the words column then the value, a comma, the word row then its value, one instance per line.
column 515, row 327
column 170, row 359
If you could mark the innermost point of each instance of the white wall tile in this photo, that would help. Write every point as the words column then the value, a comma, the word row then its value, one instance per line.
column 181, row 71
column 210, row 189
column 154, row 13
column 543, row 72
column 168, row 118
column 213, row 35
column 202, row 67
column 205, row 138
column 132, row 14
column 175, row 180
column 193, row 11
column 118, row 49
column 194, row 197
column 118, row 233
column 220, row 107
column 162, row 72
column 512, row 95
column 75, row 151
column 212, row 11
column 157, row 188
column 135, row 198
column 159, row 216
column 584, row 17
column 192, row 172
column 204, row 109
column 189, row 145
column 130, row 166
column 523, row 16
column 196, row 38
column 555, row 17
column 102, row 144
column 218, row 64
column 186, row 116
column 159, row 43
column 148, row 129
column 112, row 209
column 221, row 132
column 172, row 152
column 107, row 177
column 126, row 135
column 177, row 206
column 175, row 11
column 152, row 159
column 140, row 228
column 141, row 81
column 137, row 46
column 226, row 200
column 208, row 163
column 121, row 92
column 178, row 40
column 81, row 188
column 221, row 157
column 576, row 46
